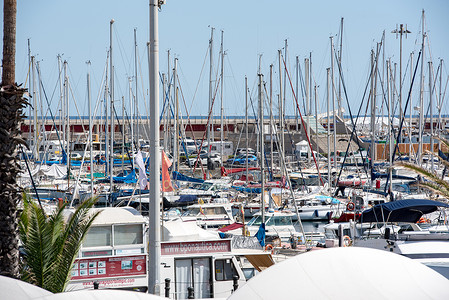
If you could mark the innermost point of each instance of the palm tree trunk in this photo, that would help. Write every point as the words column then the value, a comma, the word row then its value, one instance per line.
column 9, row 42
column 11, row 104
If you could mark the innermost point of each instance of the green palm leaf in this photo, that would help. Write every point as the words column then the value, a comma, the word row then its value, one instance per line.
column 51, row 244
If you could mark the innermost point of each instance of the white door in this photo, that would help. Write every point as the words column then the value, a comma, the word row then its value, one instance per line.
column 201, row 278
column 193, row 273
column 183, row 277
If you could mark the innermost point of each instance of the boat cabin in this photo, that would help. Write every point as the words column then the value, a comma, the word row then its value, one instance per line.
column 114, row 252
column 208, row 267
column 210, row 215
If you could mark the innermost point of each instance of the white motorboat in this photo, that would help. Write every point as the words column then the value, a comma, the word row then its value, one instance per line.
column 214, row 214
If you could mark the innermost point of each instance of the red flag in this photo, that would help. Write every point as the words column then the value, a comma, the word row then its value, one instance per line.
column 166, row 182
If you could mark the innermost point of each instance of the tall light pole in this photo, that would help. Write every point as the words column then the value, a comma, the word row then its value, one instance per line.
column 154, row 233
column 401, row 32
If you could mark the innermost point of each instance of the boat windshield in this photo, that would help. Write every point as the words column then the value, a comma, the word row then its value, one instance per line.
column 280, row 221
column 193, row 212
column 255, row 221
column 209, row 211
column 205, row 186
column 271, row 221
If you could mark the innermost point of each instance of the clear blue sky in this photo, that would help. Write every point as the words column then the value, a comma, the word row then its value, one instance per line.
column 79, row 30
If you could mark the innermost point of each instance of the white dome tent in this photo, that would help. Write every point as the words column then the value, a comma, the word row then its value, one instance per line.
column 346, row 273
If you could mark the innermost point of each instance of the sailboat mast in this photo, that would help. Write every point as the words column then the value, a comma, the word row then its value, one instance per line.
column 67, row 113
column 329, row 181
column 271, row 120
column 307, row 73
column 281, row 106
column 61, row 99
column 309, row 107
column 421, row 98
column 246, row 125
column 282, row 99
column 106, row 122
column 167, row 143
column 111, row 150
column 261, row 141
column 340, row 111
column 221, row 98
column 123, row 133
column 41, row 129
column 210, row 127
column 440, row 101
column 297, row 94
column 316, row 121
column 136, row 103
column 131, row 114
column 334, row 117
column 89, row 106
column 373, row 115
column 154, row 235
column 30, row 108
column 390, row 133
column 35, row 130
column 431, row 116
column 410, row 111
column 176, row 133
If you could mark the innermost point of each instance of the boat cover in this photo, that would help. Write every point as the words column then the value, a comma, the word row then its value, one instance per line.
column 247, row 190
column 129, row 178
column 409, row 210
column 179, row 200
column 181, row 177
column 394, row 176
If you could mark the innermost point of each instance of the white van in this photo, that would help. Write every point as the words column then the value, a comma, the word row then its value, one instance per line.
column 225, row 147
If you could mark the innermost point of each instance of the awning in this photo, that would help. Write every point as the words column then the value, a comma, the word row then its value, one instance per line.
column 260, row 261
column 232, row 226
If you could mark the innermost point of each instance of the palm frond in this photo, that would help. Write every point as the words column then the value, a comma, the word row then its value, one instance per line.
column 436, row 189
column 427, row 174
column 441, row 159
column 73, row 236
column 51, row 244
column 435, row 184
column 443, row 140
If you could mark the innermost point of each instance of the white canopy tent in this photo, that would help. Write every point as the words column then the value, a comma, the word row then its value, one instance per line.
column 381, row 123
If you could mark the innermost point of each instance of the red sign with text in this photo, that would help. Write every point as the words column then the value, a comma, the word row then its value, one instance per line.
column 109, row 267
column 195, row 247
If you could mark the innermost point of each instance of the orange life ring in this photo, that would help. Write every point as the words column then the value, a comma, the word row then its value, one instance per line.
column 268, row 247
column 350, row 206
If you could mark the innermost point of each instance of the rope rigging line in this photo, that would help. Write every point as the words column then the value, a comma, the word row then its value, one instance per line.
column 302, row 121
column 354, row 124
column 403, row 118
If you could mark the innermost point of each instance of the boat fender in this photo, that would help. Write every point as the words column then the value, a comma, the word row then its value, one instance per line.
column 350, row 206
column 347, row 241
